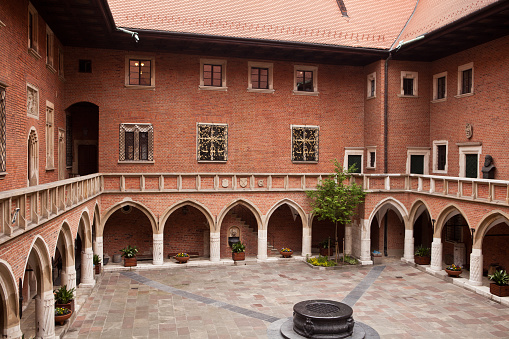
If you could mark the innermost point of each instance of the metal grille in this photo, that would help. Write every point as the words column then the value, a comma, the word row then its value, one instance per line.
column 322, row 308
column 68, row 140
column 3, row 146
column 212, row 142
column 136, row 142
column 305, row 143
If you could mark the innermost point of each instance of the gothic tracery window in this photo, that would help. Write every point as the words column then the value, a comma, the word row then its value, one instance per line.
column 305, row 143
column 212, row 142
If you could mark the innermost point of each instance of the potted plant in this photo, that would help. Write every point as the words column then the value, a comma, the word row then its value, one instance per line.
column 182, row 257
column 64, row 298
column 129, row 253
column 238, row 251
column 286, row 252
column 500, row 284
column 422, row 255
column 62, row 314
column 453, row 270
column 97, row 264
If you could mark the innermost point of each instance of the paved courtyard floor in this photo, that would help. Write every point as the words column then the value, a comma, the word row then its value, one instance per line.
column 226, row 301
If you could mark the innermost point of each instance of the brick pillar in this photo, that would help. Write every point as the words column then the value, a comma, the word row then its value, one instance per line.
column 215, row 250
column 262, row 244
column 87, row 268
column 476, row 267
column 157, row 251
column 436, row 255
column 45, row 315
column 409, row 245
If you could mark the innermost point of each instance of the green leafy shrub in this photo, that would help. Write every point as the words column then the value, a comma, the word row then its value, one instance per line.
column 238, row 247
column 97, row 260
column 129, row 251
column 350, row 260
column 321, row 261
column 423, row 251
column 500, row 277
column 63, row 295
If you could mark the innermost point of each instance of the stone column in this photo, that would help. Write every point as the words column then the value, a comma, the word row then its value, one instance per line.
column 45, row 315
column 99, row 248
column 436, row 255
column 215, row 249
column 365, row 243
column 409, row 245
column 348, row 239
column 69, row 277
column 476, row 267
column 87, row 268
column 157, row 249
column 306, row 241
column 262, row 245
column 13, row 332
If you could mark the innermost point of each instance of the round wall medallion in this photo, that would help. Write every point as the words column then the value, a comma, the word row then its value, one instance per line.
column 468, row 131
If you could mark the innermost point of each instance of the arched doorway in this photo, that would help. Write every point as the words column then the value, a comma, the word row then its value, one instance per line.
column 388, row 232
column 324, row 230
column 9, row 303
column 239, row 222
column 456, row 241
column 284, row 230
column 494, row 248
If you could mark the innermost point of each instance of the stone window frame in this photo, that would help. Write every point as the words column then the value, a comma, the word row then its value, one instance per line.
column 130, row 57
column 218, row 62
column 415, row 89
column 418, row 151
column 136, row 128
column 50, row 136
column 469, row 148
column 371, row 85
column 354, row 151
column 437, row 143
column 462, row 68
column 317, row 145
column 50, row 50
column 313, row 69
column 31, row 87
column 369, row 150
column 32, row 158
column 198, row 142
column 33, row 32
column 435, row 87
column 270, row 67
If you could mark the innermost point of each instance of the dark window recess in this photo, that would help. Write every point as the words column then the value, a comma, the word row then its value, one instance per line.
column 355, row 160
column 259, row 78
column 143, row 145
column 408, row 86
column 85, row 66
column 441, row 157
column 129, row 145
column 213, row 75
column 305, row 81
column 31, row 29
column 441, row 88
column 372, row 159
column 140, row 72
column 471, row 165
column 68, row 141
column 212, row 142
column 3, row 145
column 454, row 228
column 305, row 144
column 372, row 88
column 416, row 164
column 466, row 86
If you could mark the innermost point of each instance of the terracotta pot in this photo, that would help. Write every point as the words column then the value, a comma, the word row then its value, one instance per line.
column 499, row 290
column 286, row 254
column 182, row 260
column 453, row 273
column 69, row 305
column 60, row 319
column 238, row 256
column 324, row 251
column 422, row 260
column 97, row 268
column 128, row 262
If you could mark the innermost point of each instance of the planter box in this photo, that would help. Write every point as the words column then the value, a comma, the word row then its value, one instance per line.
column 501, row 291
column 129, row 262
column 238, row 256
column 422, row 260
column 376, row 258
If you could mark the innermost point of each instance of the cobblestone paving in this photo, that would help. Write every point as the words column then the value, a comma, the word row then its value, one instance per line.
column 396, row 300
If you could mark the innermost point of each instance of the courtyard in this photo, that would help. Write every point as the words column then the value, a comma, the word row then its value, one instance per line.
column 244, row 301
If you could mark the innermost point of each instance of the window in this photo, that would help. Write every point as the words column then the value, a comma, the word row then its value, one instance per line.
column 136, row 143
column 409, row 84
column 466, row 79
column 371, row 157
column 213, row 74
column 305, row 80
column 371, row 85
column 469, row 159
column 304, row 143
column 260, row 77
column 32, row 101
column 440, row 86
column 33, row 158
column 61, row 154
column 139, row 71
column 353, row 157
column 417, row 160
column 440, row 149
column 85, row 66
column 3, row 145
column 454, row 228
column 50, row 131
column 50, row 49
column 33, row 31
column 60, row 63
column 212, row 142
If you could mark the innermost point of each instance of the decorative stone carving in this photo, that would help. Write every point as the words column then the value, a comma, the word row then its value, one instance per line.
column 87, row 267
column 475, row 267
column 488, row 170
column 32, row 101
column 409, row 245
column 224, row 183
column 215, row 253
column 469, row 131
column 436, row 254
column 260, row 183
column 45, row 313
column 157, row 249
column 243, row 182
column 262, row 244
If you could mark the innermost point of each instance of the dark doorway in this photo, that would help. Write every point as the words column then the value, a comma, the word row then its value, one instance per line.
column 87, row 159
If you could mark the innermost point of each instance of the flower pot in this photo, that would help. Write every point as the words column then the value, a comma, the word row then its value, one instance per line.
column 182, row 260
column 69, row 305
column 422, row 260
column 60, row 319
column 236, row 256
column 129, row 262
column 499, row 290
column 286, row 254
column 97, row 268
column 453, row 274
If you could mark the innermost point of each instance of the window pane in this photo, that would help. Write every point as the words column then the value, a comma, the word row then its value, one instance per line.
column 408, row 86
column 417, row 164
column 471, row 165
column 467, row 81
column 143, row 145
column 441, row 88
column 355, row 160
column 372, row 87
column 372, row 158
column 441, row 157
column 129, row 145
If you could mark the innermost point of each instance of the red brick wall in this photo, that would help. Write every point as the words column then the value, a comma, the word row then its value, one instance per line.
column 248, row 235
column 494, row 247
column 186, row 232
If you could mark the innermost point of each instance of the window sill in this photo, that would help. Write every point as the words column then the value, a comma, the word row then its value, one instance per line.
column 464, row 95
column 313, row 94
column 3, row 175
column 213, row 88
column 33, row 116
column 370, row 168
column 34, row 53
column 438, row 100
column 407, row 96
column 50, row 169
column 256, row 90
column 304, row 162
column 440, row 171
column 212, row 161
column 373, row 97
column 51, row 68
column 152, row 87
column 136, row 162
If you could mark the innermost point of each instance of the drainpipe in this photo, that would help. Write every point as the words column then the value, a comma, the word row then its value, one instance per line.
column 386, row 111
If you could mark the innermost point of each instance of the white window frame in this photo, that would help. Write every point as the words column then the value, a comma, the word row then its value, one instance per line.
column 410, row 75
column 36, row 90
column 220, row 62
column 198, row 142
column 152, row 71
column 268, row 65
column 418, row 151
column 50, row 136
column 468, row 149
column 369, row 150
column 437, row 143
column 33, row 46
column 313, row 69
column 137, row 128
column 462, row 68
column 435, row 87
column 354, row 151
column 371, row 77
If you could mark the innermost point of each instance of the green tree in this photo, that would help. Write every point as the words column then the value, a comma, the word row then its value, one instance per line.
column 336, row 198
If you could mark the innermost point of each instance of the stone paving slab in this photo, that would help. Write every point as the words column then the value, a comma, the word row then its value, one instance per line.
column 226, row 301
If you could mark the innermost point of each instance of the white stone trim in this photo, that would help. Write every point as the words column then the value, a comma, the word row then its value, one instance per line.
column 410, row 75
column 418, row 151
column 435, row 87
column 314, row 69
column 222, row 63
column 268, row 65
column 462, row 68
column 370, row 77
column 152, row 71
column 437, row 143
column 463, row 151
column 354, row 151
